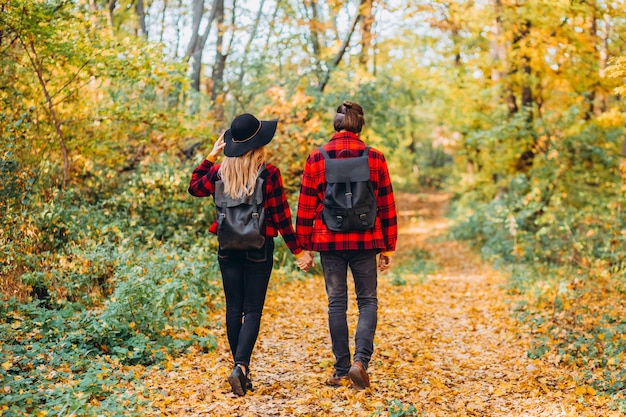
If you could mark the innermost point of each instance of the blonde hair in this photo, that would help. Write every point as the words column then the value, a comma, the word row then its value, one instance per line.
column 239, row 173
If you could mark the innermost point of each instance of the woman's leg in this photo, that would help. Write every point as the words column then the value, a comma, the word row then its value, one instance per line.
column 231, row 267
column 257, row 267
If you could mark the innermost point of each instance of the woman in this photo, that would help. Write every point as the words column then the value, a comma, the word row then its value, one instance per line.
column 356, row 249
column 246, row 272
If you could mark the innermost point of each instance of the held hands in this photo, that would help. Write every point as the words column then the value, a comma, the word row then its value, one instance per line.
column 306, row 261
column 384, row 262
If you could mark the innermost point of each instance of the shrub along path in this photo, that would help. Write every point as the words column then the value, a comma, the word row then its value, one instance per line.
column 446, row 345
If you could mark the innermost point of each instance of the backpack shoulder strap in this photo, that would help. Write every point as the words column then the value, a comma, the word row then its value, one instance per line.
column 263, row 172
column 324, row 153
column 259, row 188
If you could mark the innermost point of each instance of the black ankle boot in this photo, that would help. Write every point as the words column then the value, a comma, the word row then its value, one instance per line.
column 238, row 381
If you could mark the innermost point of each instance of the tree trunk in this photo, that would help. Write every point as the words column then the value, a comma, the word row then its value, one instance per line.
column 314, row 28
column 342, row 50
column 596, row 97
column 501, row 67
column 178, row 30
column 220, row 61
column 496, row 45
column 314, row 25
column 37, row 66
column 110, row 9
column 366, row 31
column 603, row 59
column 197, row 12
column 456, row 37
column 517, row 43
column 253, row 33
column 527, row 157
column 591, row 94
column 527, row 92
column 272, row 26
column 196, row 44
column 141, row 17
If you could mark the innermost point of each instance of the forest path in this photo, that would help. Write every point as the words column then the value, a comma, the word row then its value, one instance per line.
column 446, row 345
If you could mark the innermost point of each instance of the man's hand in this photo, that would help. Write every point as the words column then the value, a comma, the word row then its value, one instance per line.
column 384, row 262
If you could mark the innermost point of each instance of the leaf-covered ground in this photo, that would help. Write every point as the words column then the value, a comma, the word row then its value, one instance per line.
column 447, row 344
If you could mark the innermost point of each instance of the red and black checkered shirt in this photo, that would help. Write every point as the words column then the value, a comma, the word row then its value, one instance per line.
column 278, row 218
column 312, row 232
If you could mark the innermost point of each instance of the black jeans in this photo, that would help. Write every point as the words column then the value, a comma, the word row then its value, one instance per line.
column 245, row 276
column 335, row 265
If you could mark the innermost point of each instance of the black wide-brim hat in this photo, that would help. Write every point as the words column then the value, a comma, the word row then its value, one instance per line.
column 246, row 133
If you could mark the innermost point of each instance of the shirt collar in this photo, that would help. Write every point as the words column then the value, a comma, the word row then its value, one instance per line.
column 346, row 135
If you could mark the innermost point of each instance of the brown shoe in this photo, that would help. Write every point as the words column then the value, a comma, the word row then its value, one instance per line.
column 338, row 381
column 358, row 375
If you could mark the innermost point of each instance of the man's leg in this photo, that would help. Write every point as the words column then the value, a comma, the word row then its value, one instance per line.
column 363, row 267
column 335, row 270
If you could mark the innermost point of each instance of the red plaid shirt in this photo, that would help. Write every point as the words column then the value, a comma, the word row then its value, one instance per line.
column 278, row 217
column 312, row 232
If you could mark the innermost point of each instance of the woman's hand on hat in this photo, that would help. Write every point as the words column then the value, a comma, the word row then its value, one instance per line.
column 218, row 147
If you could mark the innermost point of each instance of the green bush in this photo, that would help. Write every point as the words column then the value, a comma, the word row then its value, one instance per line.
column 46, row 365
column 564, row 210
column 157, row 295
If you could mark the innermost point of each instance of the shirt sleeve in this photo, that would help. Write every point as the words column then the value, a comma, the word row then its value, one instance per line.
column 307, row 205
column 202, row 182
column 387, row 207
column 278, row 207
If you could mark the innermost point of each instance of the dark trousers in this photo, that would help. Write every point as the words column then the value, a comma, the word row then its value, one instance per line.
column 335, row 265
column 245, row 276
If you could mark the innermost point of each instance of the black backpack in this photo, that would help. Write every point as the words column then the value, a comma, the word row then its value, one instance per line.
column 349, row 202
column 241, row 222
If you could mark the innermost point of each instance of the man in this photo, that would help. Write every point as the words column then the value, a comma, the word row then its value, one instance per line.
column 356, row 249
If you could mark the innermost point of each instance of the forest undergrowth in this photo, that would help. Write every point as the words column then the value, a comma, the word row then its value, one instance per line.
column 449, row 343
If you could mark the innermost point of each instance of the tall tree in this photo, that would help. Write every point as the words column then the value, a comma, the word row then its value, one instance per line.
column 140, row 10
column 342, row 49
column 315, row 32
column 219, row 65
column 197, row 42
column 251, row 38
column 39, row 30
column 367, row 25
